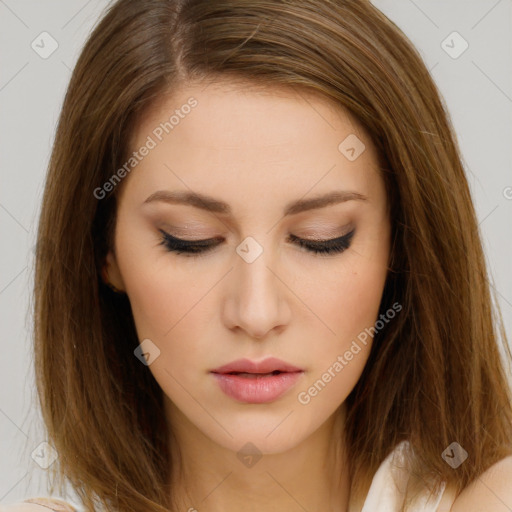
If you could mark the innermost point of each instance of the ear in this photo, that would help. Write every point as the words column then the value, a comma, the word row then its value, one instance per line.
column 111, row 273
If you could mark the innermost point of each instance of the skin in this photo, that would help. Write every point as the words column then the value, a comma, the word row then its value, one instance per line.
column 256, row 150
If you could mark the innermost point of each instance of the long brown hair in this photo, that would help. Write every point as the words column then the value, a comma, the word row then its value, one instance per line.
column 434, row 375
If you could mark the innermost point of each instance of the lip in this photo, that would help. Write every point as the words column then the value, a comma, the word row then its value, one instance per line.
column 268, row 365
column 257, row 389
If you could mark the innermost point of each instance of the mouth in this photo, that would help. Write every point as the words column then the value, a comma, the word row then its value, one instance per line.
column 257, row 383
column 248, row 375
column 266, row 366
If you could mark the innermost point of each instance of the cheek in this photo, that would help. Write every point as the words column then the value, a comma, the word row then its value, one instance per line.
column 162, row 293
column 167, row 305
column 347, row 299
column 338, row 364
column 167, row 309
column 347, row 296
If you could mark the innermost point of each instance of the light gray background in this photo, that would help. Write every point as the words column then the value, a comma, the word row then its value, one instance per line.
column 476, row 87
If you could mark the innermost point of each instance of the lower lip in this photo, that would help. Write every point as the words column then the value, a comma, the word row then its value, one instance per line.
column 257, row 390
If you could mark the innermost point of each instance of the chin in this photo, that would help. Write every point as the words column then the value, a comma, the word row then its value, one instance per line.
column 270, row 430
column 255, row 438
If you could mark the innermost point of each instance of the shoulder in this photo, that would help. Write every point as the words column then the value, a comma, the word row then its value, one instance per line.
column 38, row 505
column 491, row 491
column 23, row 507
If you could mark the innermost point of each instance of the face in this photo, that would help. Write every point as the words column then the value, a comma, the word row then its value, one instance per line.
column 264, row 281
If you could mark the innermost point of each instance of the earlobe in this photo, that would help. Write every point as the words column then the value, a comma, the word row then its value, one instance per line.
column 111, row 274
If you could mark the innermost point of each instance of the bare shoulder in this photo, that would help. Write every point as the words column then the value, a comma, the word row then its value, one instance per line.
column 39, row 504
column 23, row 507
column 491, row 491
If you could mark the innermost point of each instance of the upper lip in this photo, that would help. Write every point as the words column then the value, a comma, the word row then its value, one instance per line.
column 269, row 365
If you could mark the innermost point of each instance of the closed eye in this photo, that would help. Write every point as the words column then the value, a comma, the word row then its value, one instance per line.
column 199, row 247
column 330, row 246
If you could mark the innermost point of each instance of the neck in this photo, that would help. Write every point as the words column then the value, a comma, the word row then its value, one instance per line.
column 208, row 477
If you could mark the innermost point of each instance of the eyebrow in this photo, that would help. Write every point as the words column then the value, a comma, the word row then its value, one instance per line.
column 211, row 204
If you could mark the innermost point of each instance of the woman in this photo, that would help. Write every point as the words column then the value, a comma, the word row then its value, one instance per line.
column 259, row 279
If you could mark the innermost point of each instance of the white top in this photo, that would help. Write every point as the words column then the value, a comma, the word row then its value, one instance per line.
column 385, row 496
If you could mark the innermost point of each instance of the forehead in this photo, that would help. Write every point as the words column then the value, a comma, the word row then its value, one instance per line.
column 254, row 136
column 272, row 113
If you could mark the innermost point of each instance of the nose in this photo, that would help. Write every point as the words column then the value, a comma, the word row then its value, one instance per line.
column 257, row 302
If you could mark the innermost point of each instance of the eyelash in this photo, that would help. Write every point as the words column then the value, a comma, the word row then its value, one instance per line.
column 194, row 248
